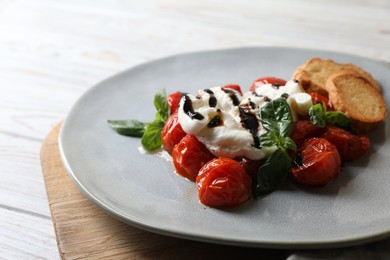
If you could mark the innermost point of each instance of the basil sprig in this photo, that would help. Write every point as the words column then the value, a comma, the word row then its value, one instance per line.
column 162, row 106
column 151, row 139
column 277, row 119
column 150, row 132
column 320, row 117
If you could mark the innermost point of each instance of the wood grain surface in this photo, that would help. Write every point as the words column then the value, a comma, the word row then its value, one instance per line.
column 85, row 231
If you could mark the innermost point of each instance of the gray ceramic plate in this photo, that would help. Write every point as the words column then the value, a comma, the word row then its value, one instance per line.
column 144, row 191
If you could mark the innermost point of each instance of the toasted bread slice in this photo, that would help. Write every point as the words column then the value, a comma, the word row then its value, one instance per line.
column 315, row 72
column 354, row 95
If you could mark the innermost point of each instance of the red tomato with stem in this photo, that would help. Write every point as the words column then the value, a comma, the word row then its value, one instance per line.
column 267, row 80
column 222, row 183
column 189, row 155
column 317, row 162
column 317, row 98
column 234, row 86
column 172, row 133
column 349, row 145
column 174, row 100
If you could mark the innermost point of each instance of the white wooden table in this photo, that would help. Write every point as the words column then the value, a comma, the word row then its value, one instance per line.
column 51, row 52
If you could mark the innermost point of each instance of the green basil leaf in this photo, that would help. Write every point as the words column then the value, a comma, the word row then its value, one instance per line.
column 128, row 127
column 159, row 117
column 286, row 127
column 276, row 116
column 151, row 139
column 269, row 139
column 272, row 173
column 289, row 144
column 320, row 117
column 317, row 115
column 150, row 133
column 339, row 119
column 162, row 106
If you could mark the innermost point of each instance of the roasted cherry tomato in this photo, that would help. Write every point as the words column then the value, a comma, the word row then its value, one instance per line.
column 316, row 163
column 266, row 80
column 222, row 183
column 172, row 133
column 189, row 155
column 174, row 100
column 251, row 166
column 317, row 98
column 304, row 129
column 234, row 86
column 349, row 145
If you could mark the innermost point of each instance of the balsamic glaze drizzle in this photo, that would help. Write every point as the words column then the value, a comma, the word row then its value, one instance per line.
column 284, row 95
column 215, row 121
column 252, row 104
column 266, row 99
column 232, row 95
column 256, row 141
column 250, row 122
column 189, row 110
column 212, row 99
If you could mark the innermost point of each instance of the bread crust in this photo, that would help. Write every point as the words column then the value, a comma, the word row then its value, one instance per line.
column 315, row 72
column 353, row 94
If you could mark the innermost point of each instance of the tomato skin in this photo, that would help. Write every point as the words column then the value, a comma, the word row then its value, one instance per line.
column 234, row 86
column 251, row 166
column 317, row 98
column 223, row 183
column 189, row 155
column 304, row 129
column 174, row 100
column 320, row 163
column 349, row 145
column 172, row 133
column 266, row 80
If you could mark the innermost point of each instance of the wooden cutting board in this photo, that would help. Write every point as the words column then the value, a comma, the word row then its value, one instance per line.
column 85, row 231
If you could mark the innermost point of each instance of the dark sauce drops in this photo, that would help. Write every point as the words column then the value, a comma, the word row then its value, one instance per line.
column 256, row 141
column 266, row 99
column 285, row 95
column 215, row 121
column 212, row 99
column 251, row 104
column 276, row 85
column 189, row 110
column 249, row 121
column 232, row 95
